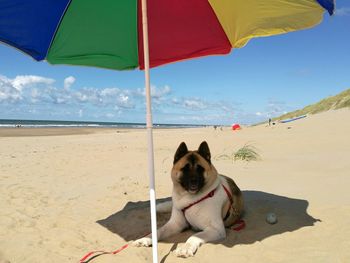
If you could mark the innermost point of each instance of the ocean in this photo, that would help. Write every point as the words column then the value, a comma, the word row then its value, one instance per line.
column 8, row 123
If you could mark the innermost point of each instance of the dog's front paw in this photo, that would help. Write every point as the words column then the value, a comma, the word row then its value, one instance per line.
column 142, row 242
column 186, row 250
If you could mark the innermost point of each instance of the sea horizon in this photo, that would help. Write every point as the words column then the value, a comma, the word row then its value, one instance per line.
column 24, row 123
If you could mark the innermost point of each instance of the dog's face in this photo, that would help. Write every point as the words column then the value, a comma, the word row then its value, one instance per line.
column 192, row 170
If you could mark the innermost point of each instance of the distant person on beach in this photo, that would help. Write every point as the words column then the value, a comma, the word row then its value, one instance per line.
column 269, row 121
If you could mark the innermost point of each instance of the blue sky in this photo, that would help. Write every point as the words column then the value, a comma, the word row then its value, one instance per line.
column 266, row 78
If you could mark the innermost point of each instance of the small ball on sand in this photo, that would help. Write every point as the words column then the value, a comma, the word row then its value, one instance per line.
column 271, row 218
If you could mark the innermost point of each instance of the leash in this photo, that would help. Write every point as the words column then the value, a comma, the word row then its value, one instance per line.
column 237, row 226
column 89, row 256
column 93, row 254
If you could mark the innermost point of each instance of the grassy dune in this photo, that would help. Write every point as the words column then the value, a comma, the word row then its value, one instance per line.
column 338, row 101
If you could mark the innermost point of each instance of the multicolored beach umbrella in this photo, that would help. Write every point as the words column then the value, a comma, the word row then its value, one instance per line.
column 108, row 33
column 127, row 34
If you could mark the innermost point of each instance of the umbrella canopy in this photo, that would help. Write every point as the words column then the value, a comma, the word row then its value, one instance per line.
column 114, row 34
column 108, row 33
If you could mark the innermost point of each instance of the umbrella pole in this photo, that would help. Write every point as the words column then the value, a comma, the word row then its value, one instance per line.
column 149, row 126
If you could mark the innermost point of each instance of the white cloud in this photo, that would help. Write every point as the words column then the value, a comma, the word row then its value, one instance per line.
column 160, row 92
column 104, row 97
column 156, row 93
column 36, row 89
column 88, row 95
column 82, row 96
column 343, row 11
column 110, row 92
column 189, row 103
column 41, row 95
column 68, row 82
column 275, row 108
column 194, row 104
column 8, row 92
column 123, row 101
column 197, row 104
column 35, row 93
column 14, row 90
column 110, row 115
column 21, row 82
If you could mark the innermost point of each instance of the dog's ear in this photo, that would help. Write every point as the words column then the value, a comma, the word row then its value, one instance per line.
column 204, row 151
column 180, row 152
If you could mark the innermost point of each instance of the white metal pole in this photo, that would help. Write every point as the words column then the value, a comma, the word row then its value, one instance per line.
column 149, row 125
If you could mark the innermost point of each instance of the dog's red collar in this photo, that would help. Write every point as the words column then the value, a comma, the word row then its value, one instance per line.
column 228, row 194
column 210, row 194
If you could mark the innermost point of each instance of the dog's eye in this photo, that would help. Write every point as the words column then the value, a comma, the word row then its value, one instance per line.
column 200, row 168
column 186, row 167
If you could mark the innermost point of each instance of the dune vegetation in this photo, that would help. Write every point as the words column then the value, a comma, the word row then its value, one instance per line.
column 338, row 101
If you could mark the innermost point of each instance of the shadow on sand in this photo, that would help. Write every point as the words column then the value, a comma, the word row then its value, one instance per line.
column 134, row 220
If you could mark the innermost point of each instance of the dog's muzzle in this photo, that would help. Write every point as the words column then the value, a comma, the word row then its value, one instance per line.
column 192, row 183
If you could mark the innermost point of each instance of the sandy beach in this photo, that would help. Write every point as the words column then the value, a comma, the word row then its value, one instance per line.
column 65, row 192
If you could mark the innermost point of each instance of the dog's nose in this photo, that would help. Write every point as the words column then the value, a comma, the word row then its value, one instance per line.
column 194, row 180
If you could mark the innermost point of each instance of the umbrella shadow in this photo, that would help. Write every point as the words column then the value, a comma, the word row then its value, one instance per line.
column 133, row 221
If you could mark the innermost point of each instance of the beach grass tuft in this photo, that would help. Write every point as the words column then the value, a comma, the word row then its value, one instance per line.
column 246, row 153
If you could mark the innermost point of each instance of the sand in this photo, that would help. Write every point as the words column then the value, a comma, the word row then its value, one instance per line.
column 75, row 191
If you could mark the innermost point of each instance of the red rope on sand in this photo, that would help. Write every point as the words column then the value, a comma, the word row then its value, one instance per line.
column 241, row 225
column 238, row 225
column 88, row 255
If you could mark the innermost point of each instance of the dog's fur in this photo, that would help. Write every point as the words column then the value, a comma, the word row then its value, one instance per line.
column 194, row 176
